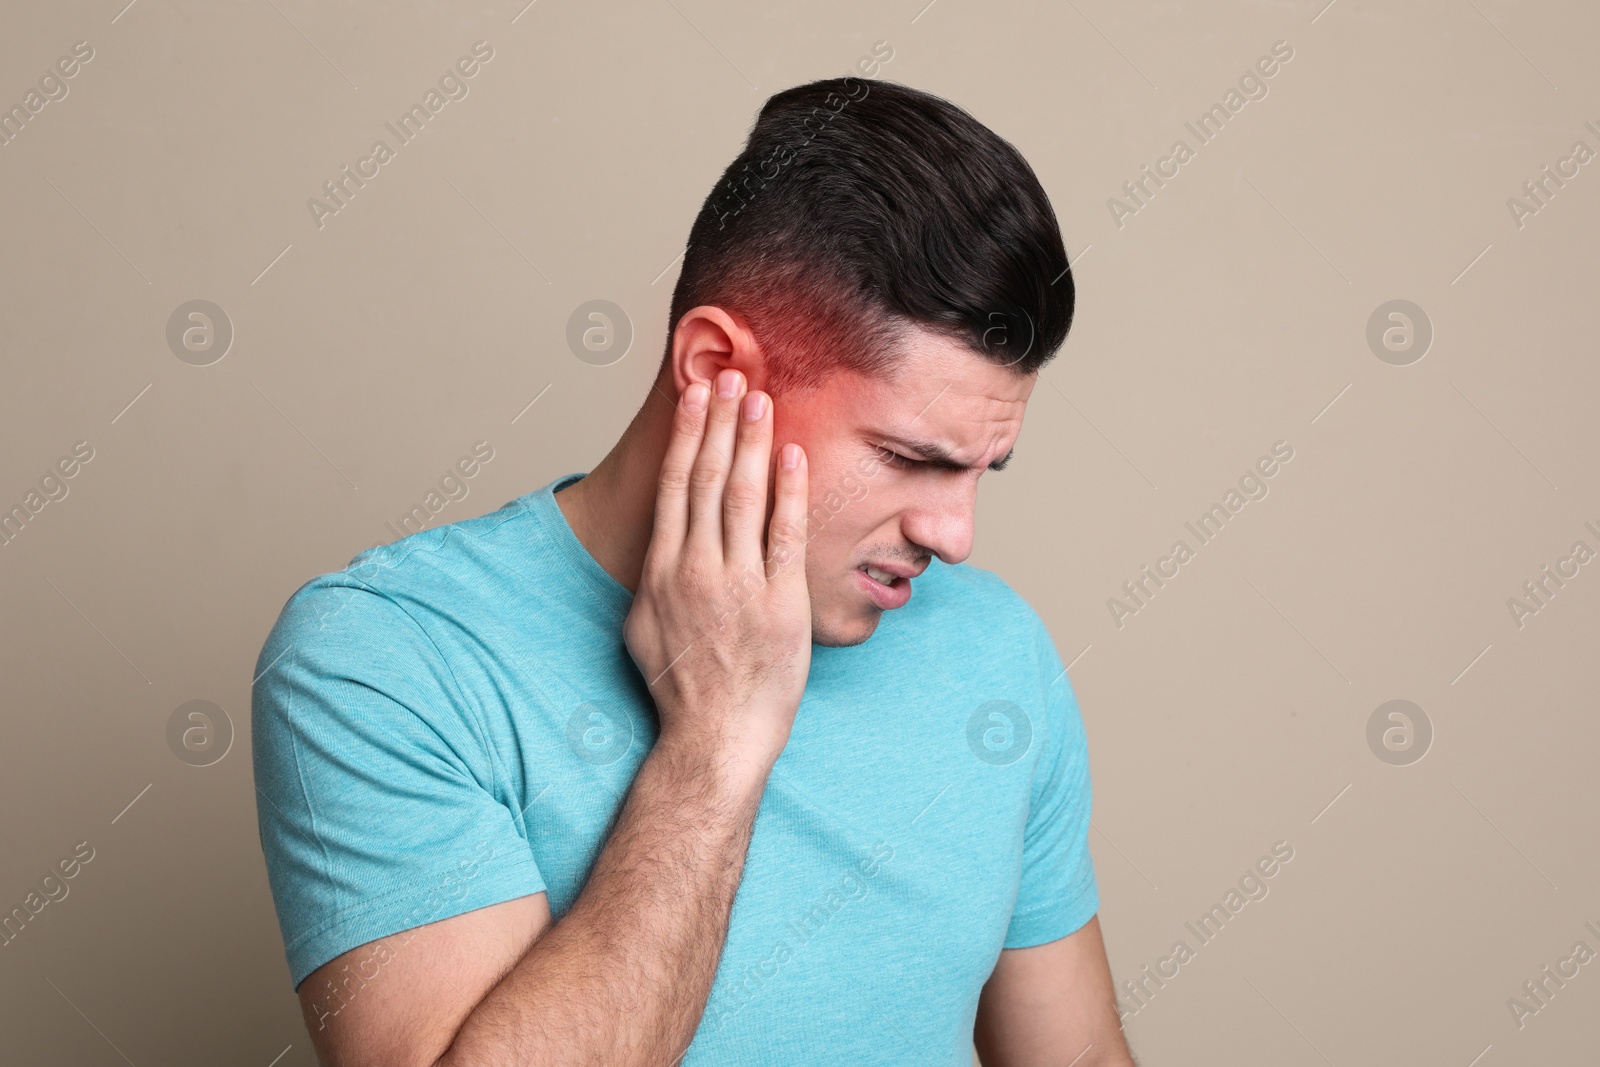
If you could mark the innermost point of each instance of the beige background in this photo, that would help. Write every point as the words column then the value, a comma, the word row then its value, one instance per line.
column 1228, row 314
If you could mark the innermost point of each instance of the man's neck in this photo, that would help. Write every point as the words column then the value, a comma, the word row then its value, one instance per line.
column 612, row 509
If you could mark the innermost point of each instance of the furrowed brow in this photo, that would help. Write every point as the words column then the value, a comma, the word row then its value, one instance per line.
column 940, row 457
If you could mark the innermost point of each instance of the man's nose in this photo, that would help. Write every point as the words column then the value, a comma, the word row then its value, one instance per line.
column 944, row 523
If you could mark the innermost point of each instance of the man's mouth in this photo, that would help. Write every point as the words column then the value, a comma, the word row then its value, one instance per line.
column 886, row 589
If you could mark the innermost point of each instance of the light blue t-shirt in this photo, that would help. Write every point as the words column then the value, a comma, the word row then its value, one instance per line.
column 453, row 721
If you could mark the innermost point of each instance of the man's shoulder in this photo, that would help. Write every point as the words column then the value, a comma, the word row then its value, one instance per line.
column 456, row 552
column 967, row 591
column 384, row 585
column 973, row 615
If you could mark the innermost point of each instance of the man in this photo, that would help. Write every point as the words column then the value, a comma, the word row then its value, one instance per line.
column 666, row 760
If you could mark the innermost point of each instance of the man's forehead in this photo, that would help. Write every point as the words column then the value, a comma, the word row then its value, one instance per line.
column 952, row 411
column 948, row 382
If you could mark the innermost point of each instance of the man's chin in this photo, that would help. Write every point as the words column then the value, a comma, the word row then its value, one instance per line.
column 833, row 631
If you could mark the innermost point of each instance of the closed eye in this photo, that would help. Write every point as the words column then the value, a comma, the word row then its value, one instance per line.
column 933, row 456
column 896, row 460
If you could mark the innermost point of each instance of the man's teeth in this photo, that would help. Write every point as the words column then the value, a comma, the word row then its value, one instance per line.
column 879, row 576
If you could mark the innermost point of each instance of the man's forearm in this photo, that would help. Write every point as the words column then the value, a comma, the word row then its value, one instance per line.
column 623, row 977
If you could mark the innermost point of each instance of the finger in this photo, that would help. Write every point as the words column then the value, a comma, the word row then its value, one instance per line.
column 710, row 472
column 786, row 534
column 744, row 499
column 672, row 492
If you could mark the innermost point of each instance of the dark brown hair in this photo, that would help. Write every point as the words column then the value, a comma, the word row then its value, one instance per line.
column 858, row 207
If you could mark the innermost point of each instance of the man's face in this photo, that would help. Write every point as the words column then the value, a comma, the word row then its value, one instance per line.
column 876, row 497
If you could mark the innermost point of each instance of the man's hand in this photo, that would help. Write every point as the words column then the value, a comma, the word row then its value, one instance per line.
column 721, row 628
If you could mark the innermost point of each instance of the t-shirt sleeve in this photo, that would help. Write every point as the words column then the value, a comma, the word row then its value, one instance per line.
column 379, row 805
column 1058, row 892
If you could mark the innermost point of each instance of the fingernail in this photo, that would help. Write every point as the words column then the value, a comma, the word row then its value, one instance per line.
column 695, row 397
column 728, row 384
column 791, row 456
column 755, row 406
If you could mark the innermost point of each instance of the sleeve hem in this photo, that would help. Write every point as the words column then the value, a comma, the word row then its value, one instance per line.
column 1051, row 922
column 396, row 911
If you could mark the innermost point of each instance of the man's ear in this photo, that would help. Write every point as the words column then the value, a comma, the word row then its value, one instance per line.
column 708, row 339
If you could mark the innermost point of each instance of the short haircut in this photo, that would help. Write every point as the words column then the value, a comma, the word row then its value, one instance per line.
column 860, row 207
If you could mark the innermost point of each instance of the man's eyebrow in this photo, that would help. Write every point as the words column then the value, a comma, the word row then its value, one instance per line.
column 940, row 457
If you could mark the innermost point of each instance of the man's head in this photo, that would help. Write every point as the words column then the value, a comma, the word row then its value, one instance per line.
column 891, row 272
